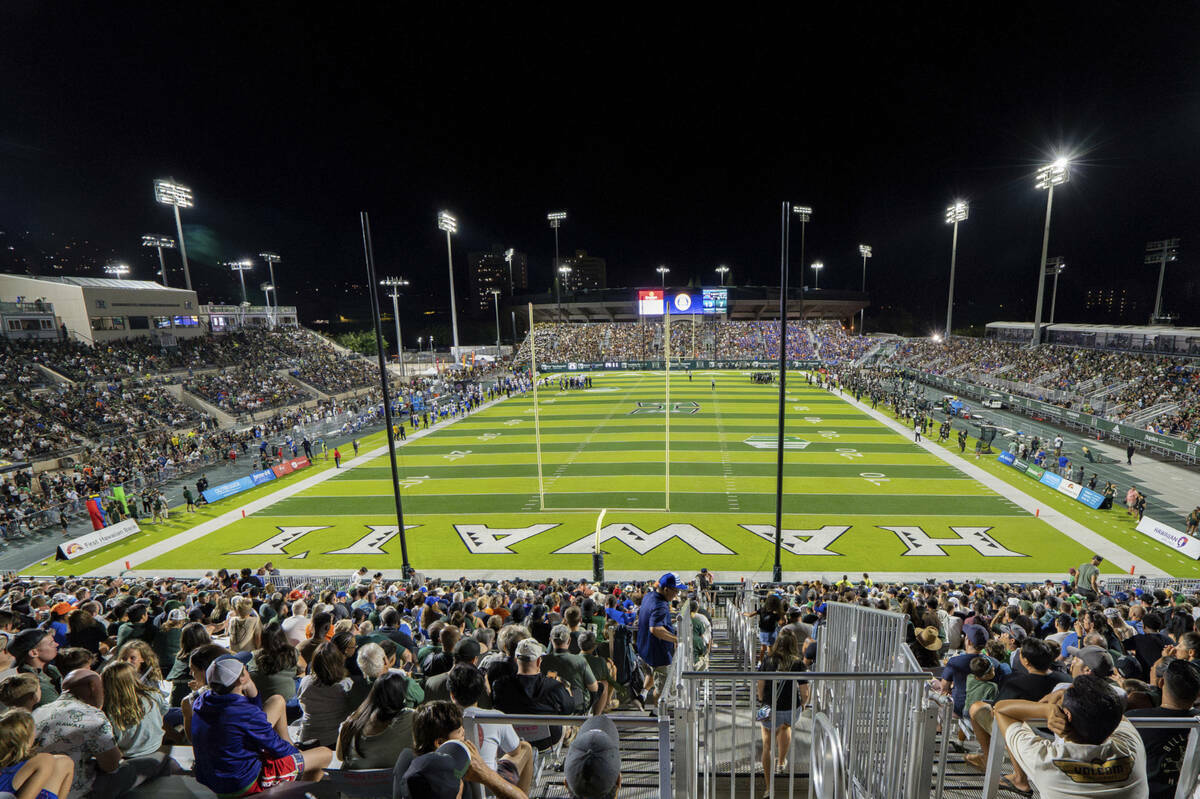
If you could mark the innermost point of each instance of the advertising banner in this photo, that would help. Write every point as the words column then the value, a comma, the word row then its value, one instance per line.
column 1176, row 540
column 1007, row 458
column 258, row 478
column 1069, row 488
column 68, row 550
column 1091, row 498
column 1050, row 478
column 228, row 489
column 287, row 467
column 1034, row 471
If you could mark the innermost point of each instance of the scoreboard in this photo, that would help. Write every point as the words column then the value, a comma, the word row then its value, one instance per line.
column 656, row 302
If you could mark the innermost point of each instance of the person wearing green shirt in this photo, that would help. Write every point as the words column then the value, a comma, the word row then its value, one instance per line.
column 572, row 669
column 602, row 668
column 1087, row 582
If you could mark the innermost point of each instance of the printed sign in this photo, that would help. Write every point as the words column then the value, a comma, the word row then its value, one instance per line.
column 228, row 489
column 70, row 550
column 258, row 478
column 1180, row 542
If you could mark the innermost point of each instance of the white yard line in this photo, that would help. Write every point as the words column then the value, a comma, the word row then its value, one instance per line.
column 211, row 526
column 1072, row 529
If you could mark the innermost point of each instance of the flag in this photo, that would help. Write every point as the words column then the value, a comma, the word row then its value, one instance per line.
column 96, row 512
column 119, row 496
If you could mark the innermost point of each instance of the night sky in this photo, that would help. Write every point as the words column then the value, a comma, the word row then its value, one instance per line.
column 669, row 137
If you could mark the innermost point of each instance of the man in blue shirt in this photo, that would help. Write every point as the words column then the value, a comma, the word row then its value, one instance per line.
column 954, row 673
column 656, row 636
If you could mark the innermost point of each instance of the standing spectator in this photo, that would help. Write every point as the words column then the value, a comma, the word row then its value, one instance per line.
column 337, row 457
column 1087, row 584
column 1129, row 454
column 779, row 697
column 656, row 635
column 74, row 725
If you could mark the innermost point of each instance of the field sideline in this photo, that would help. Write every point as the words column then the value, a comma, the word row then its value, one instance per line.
column 859, row 496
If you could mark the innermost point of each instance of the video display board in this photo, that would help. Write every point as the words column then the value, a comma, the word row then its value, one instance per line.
column 654, row 302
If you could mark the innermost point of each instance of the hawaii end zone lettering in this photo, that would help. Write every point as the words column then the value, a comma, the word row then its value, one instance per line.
column 480, row 539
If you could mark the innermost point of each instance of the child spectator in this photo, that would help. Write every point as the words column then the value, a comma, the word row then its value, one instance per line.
column 981, row 682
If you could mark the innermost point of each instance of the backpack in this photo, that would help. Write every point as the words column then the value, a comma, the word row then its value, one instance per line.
column 624, row 655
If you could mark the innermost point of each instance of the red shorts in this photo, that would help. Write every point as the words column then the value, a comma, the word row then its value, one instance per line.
column 274, row 772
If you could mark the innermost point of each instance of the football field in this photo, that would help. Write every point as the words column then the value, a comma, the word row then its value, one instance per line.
column 859, row 496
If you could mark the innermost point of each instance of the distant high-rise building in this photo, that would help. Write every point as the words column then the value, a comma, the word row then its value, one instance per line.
column 587, row 272
column 489, row 270
column 1114, row 303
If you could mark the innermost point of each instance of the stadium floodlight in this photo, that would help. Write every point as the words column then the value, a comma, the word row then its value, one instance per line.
column 562, row 276
column 1160, row 252
column 159, row 243
column 955, row 213
column 1049, row 176
column 119, row 270
column 555, row 218
column 395, row 284
column 865, row 251
column 722, row 271
column 817, row 266
column 1054, row 268
column 266, row 289
column 662, row 272
column 449, row 224
column 168, row 192
column 508, row 257
column 496, row 297
column 241, row 267
column 804, row 212
column 272, row 259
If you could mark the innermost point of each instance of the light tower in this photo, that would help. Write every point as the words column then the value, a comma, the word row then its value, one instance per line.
column 722, row 270
column 1054, row 268
column 496, row 298
column 118, row 270
column 817, row 266
column 241, row 267
column 168, row 192
column 662, row 272
column 1160, row 252
column 159, row 243
column 272, row 259
column 865, row 251
column 395, row 284
column 449, row 224
column 954, row 214
column 1048, row 177
column 555, row 218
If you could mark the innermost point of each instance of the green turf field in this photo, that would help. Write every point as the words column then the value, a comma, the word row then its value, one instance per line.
column 857, row 495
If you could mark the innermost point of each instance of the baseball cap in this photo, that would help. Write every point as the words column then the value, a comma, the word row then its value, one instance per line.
column 177, row 614
column 560, row 632
column 670, row 580
column 976, row 635
column 61, row 609
column 466, row 649
column 1092, row 656
column 529, row 649
column 438, row 774
column 593, row 762
column 1015, row 630
column 224, row 672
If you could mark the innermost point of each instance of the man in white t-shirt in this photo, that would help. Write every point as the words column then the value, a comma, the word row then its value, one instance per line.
column 295, row 625
column 1095, row 751
column 498, row 744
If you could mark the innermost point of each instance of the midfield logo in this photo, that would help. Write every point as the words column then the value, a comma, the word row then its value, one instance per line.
column 689, row 408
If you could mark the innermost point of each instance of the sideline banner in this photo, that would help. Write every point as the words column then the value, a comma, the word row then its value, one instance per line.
column 68, row 550
column 228, row 489
column 1176, row 540
column 1060, row 484
column 258, row 478
column 287, row 467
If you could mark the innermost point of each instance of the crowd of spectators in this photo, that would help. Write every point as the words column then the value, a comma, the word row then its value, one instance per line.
column 1127, row 383
column 246, row 389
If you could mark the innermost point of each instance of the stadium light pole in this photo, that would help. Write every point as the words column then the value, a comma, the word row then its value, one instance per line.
column 160, row 242
column 662, row 272
column 865, row 251
column 508, row 256
column 555, row 218
column 1054, row 268
column 406, row 569
column 449, row 224
column 395, row 284
column 1160, row 252
column 272, row 259
column 266, row 289
column 804, row 214
column 119, row 270
column 817, row 266
column 564, row 271
column 1048, row 177
column 785, row 241
column 168, row 192
column 496, row 297
column 954, row 214
column 722, row 270
column 241, row 267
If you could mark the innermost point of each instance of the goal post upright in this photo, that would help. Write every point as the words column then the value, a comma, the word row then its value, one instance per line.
column 537, row 423
column 667, row 404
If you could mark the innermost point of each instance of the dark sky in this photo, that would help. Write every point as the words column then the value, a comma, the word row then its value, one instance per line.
column 670, row 137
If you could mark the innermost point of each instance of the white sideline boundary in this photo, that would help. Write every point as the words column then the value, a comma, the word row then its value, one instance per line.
column 212, row 525
column 1072, row 529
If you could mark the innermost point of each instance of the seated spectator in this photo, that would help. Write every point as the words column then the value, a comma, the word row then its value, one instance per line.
column 441, row 759
column 141, row 656
column 375, row 660
column 166, row 642
column 954, row 673
column 21, row 691
column 466, row 651
column 74, row 725
column 593, row 765
column 239, row 748
column 498, row 744
column 294, row 625
column 442, row 660
column 28, row 775
column 134, row 709
column 1094, row 751
column 325, row 696
column 1165, row 748
column 136, row 625
column 531, row 692
column 243, row 626
column 380, row 729
column 193, row 636
column 83, row 629
column 273, row 667
column 34, row 651
column 1038, row 680
column 198, row 662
